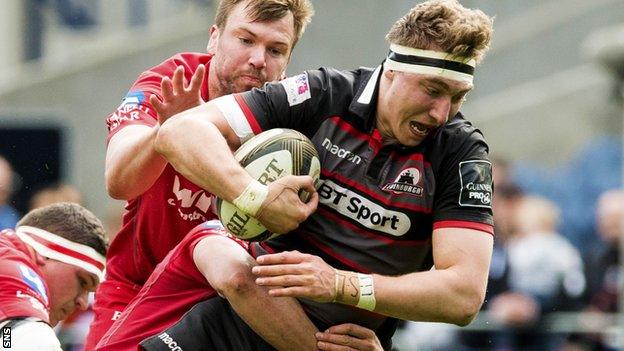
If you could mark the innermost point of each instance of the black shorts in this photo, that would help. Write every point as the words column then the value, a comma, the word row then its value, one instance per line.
column 209, row 325
column 213, row 325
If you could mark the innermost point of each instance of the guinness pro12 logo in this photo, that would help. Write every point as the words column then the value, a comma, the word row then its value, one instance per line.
column 475, row 178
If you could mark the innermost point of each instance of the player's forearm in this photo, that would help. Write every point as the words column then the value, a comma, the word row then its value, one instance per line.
column 453, row 292
column 132, row 164
column 437, row 296
column 280, row 321
column 196, row 148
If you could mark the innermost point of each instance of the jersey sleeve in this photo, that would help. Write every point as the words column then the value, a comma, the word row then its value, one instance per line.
column 300, row 102
column 464, row 190
column 135, row 107
column 23, row 292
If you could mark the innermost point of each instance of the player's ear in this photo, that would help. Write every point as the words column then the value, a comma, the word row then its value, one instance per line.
column 213, row 40
column 389, row 74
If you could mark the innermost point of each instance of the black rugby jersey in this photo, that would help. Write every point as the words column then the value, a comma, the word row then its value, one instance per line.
column 378, row 203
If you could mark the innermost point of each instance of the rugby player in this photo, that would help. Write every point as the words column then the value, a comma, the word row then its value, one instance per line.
column 48, row 265
column 410, row 191
column 250, row 44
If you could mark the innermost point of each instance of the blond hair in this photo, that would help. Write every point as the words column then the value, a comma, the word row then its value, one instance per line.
column 444, row 25
column 269, row 10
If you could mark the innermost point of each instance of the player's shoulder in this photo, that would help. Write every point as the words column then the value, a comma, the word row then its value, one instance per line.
column 345, row 80
column 459, row 131
column 333, row 87
column 12, row 249
column 206, row 228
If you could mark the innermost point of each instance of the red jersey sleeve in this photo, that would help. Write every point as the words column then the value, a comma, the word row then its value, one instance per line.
column 135, row 107
column 23, row 293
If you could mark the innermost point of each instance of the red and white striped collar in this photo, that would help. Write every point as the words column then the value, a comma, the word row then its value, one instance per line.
column 58, row 248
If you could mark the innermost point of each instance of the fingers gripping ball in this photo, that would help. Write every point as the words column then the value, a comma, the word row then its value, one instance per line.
column 267, row 157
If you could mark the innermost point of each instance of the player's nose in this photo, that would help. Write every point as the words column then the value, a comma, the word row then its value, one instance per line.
column 257, row 57
column 82, row 301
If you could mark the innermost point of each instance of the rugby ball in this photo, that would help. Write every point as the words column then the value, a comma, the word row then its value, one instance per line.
column 267, row 157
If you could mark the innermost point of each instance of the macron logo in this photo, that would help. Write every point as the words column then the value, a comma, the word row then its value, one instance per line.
column 342, row 153
column 168, row 340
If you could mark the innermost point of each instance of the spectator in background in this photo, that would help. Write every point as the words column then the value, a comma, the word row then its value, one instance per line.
column 55, row 193
column 603, row 263
column 545, row 275
column 603, row 271
column 8, row 215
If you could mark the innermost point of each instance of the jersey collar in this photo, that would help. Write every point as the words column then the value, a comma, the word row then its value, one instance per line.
column 365, row 100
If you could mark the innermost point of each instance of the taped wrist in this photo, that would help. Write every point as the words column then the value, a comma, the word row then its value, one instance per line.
column 355, row 289
column 252, row 197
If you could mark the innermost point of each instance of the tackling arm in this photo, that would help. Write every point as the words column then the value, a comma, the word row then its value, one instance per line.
column 132, row 164
column 280, row 321
column 198, row 144
column 453, row 292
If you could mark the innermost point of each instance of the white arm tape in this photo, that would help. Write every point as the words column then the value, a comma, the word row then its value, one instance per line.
column 367, row 292
column 251, row 199
column 28, row 335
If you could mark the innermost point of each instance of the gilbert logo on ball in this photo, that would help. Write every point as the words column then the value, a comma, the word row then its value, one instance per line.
column 267, row 157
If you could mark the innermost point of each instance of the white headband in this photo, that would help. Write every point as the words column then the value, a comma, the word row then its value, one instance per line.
column 58, row 248
column 411, row 60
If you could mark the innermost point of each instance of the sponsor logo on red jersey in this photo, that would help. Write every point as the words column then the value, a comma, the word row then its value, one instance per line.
column 192, row 205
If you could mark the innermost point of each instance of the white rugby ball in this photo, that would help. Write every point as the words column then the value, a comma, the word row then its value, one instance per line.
column 267, row 157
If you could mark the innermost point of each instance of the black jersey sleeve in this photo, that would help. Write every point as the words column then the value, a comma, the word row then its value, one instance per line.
column 463, row 176
column 300, row 102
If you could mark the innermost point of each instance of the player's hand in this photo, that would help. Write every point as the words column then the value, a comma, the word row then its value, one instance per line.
column 177, row 95
column 295, row 274
column 283, row 210
column 349, row 337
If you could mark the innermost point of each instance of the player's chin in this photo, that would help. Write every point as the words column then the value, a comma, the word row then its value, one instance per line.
column 410, row 142
column 245, row 84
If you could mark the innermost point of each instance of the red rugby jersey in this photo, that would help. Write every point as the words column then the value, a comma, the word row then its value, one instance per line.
column 175, row 286
column 156, row 221
column 23, row 292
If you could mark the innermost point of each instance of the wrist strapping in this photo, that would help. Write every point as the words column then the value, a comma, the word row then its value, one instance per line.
column 367, row 292
column 346, row 284
column 251, row 199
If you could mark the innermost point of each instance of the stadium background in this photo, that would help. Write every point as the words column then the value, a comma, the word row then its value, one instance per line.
column 548, row 96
